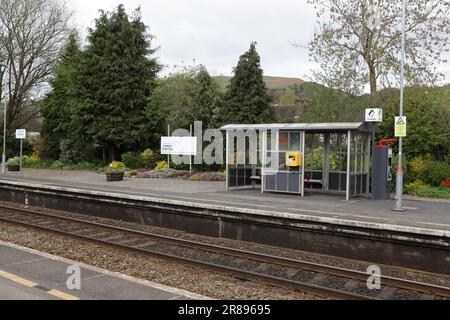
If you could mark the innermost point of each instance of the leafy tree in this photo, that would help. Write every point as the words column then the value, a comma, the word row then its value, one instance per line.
column 247, row 99
column 332, row 105
column 117, row 77
column 32, row 33
column 57, row 107
column 185, row 96
column 359, row 41
column 428, row 129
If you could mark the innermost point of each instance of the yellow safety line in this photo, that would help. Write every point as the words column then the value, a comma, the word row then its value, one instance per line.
column 31, row 284
column 18, row 279
column 62, row 295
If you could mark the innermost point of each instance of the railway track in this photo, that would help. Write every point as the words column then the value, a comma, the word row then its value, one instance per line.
column 323, row 280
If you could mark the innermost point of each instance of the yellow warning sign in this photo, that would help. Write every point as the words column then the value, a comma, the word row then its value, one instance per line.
column 400, row 127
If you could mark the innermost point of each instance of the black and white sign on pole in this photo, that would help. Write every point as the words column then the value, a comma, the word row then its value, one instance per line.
column 21, row 134
column 374, row 115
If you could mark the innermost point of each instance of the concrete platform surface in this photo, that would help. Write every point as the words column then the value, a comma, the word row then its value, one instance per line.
column 26, row 274
column 422, row 217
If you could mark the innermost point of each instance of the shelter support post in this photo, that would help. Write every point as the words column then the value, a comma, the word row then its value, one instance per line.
column 227, row 159
column 302, row 182
column 349, row 157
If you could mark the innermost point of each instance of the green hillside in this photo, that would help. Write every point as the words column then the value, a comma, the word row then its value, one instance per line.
column 271, row 82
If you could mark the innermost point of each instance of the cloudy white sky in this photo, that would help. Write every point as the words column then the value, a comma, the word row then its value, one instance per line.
column 216, row 32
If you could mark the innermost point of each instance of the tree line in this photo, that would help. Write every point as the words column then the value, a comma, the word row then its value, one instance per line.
column 108, row 97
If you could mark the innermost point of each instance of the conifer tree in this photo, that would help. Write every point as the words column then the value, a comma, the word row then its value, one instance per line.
column 116, row 77
column 57, row 107
column 247, row 100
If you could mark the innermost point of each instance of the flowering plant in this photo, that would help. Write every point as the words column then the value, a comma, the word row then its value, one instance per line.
column 116, row 167
column 446, row 183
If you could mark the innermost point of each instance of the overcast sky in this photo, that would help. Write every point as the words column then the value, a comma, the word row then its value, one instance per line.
column 216, row 32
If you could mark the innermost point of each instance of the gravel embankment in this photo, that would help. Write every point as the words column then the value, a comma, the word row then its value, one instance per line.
column 184, row 277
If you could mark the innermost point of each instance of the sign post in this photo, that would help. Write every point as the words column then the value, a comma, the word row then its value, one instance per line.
column 21, row 134
column 374, row 115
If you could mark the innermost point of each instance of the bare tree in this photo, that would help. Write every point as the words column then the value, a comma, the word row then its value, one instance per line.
column 31, row 35
column 358, row 42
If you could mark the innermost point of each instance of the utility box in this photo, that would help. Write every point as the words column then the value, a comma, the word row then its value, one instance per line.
column 381, row 172
column 293, row 159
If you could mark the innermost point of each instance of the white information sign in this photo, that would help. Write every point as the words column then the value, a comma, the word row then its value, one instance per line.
column 21, row 134
column 182, row 146
column 374, row 115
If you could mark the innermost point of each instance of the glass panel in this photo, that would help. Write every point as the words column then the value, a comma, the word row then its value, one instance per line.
column 283, row 141
column 294, row 141
column 282, row 162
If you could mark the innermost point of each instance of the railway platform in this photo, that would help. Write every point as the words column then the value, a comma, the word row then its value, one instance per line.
column 359, row 229
column 27, row 274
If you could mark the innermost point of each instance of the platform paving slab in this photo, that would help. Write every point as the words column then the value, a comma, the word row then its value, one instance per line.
column 26, row 274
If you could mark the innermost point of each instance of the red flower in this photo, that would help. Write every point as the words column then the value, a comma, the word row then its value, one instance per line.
column 446, row 183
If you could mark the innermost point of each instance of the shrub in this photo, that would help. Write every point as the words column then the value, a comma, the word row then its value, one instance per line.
column 70, row 152
column 162, row 165
column 132, row 160
column 58, row 164
column 435, row 172
column 416, row 186
column 148, row 158
column 433, row 192
column 41, row 148
column 417, row 165
column 13, row 161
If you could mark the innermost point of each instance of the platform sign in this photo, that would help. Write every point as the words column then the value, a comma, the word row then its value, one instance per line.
column 181, row 146
column 21, row 134
column 374, row 115
column 400, row 127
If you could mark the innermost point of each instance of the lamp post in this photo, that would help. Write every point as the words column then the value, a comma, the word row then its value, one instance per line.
column 4, row 67
column 399, row 180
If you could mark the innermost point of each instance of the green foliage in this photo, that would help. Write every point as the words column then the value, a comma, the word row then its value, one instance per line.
column 428, row 123
column 185, row 96
column 330, row 105
column 435, row 172
column 148, row 158
column 417, row 165
column 416, row 186
column 132, row 160
column 246, row 99
column 421, row 189
column 58, row 106
column 72, row 152
column 434, row 192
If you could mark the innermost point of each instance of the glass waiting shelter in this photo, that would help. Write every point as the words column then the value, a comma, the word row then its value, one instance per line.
column 295, row 158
